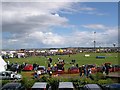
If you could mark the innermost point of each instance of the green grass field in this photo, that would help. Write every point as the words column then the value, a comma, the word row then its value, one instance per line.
column 80, row 59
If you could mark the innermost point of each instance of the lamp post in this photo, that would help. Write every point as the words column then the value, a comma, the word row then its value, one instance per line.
column 114, row 44
column 94, row 42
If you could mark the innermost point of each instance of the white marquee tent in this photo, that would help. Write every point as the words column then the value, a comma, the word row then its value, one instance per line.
column 3, row 64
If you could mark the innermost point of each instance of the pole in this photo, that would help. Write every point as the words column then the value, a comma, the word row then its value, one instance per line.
column 114, row 44
column 94, row 42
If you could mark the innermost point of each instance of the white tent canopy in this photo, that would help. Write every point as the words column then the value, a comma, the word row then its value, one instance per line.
column 3, row 65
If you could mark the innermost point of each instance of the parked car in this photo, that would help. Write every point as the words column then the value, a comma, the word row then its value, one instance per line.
column 99, row 69
column 113, row 86
column 9, row 75
column 13, row 86
column 59, row 71
column 13, row 67
column 28, row 67
column 92, row 87
column 107, row 63
column 73, row 70
column 93, row 68
column 115, row 68
column 91, row 65
column 60, row 68
column 42, row 69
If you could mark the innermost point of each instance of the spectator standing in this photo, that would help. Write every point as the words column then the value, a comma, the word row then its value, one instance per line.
column 48, row 70
column 38, row 73
column 35, row 74
column 89, row 71
column 50, row 73
column 80, row 70
column 8, row 64
column 50, row 59
column 83, row 69
column 77, row 65
column 107, row 69
column 34, row 66
column 48, row 64
column 17, row 68
column 103, row 69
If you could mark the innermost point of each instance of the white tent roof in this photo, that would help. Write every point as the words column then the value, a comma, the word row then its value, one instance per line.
column 66, row 85
column 39, row 85
column 3, row 64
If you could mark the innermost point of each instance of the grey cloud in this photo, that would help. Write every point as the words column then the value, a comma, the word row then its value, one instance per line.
column 21, row 20
column 50, row 20
column 25, row 17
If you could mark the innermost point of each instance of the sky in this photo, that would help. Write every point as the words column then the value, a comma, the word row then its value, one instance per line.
column 59, row 24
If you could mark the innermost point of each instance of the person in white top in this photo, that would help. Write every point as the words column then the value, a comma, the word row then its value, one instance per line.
column 38, row 72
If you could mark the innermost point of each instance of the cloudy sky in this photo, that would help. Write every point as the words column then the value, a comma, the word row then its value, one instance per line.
column 59, row 24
